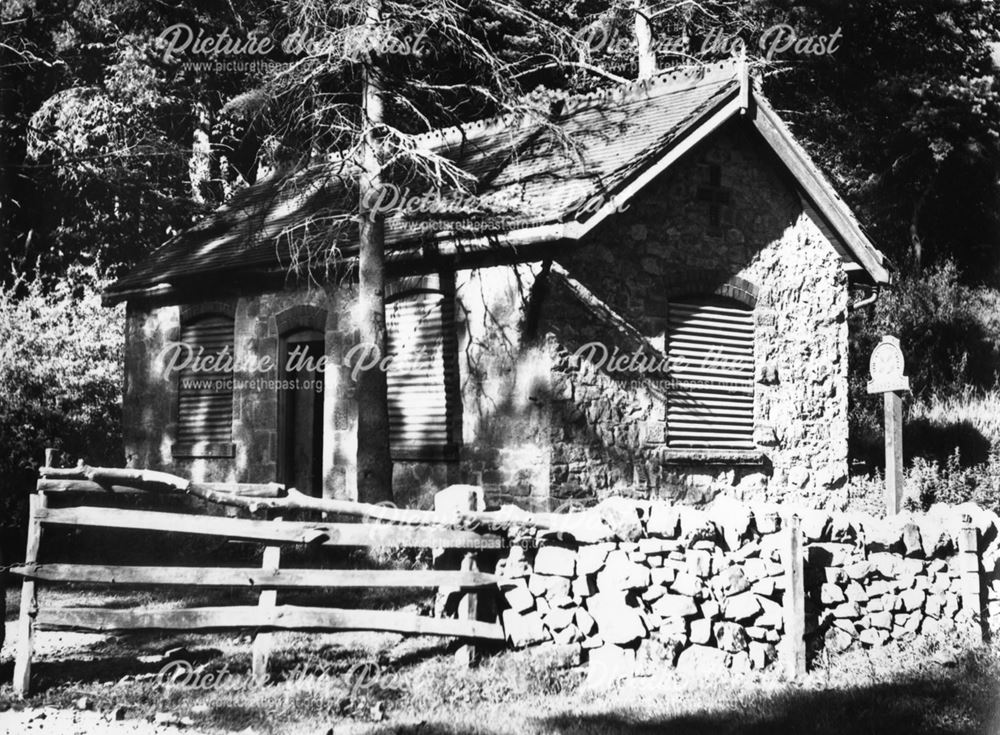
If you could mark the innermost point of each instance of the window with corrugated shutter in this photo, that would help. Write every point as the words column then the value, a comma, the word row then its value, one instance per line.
column 424, row 414
column 710, row 395
column 205, row 412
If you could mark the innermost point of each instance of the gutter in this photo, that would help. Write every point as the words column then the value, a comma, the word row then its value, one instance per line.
column 450, row 247
column 112, row 298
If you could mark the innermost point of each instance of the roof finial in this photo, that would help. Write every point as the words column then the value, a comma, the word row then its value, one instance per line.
column 743, row 73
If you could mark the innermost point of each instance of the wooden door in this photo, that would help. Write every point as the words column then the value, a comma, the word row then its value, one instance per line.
column 300, row 409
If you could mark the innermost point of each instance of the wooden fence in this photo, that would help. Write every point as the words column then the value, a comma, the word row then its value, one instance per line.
column 446, row 528
column 267, row 615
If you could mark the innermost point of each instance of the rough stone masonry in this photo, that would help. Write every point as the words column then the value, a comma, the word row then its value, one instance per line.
column 675, row 585
column 540, row 427
column 543, row 427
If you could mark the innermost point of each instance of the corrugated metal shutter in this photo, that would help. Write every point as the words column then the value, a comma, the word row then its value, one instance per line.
column 206, row 399
column 422, row 377
column 710, row 352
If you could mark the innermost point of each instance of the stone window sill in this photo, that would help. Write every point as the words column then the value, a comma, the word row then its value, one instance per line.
column 712, row 456
column 418, row 453
column 203, row 450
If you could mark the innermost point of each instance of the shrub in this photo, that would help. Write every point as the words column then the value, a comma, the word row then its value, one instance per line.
column 928, row 481
column 60, row 379
column 950, row 337
column 953, row 483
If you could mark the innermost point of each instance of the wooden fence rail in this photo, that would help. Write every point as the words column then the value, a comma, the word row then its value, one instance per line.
column 279, row 617
column 252, row 576
column 289, row 532
column 267, row 615
column 110, row 481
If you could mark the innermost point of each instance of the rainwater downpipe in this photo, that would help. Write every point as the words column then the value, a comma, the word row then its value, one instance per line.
column 875, row 291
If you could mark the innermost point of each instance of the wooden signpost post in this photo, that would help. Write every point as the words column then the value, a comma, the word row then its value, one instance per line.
column 886, row 377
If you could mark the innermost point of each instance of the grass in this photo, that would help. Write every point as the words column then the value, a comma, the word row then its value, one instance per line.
column 952, row 449
column 931, row 687
column 980, row 408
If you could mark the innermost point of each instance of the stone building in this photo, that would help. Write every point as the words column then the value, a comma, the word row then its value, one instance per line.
column 659, row 307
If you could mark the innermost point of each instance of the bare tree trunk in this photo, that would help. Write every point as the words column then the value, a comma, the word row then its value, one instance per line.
column 644, row 39
column 374, row 462
column 200, row 163
column 916, row 242
column 3, row 594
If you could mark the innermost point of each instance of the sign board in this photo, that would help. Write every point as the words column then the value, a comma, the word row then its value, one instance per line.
column 885, row 368
column 886, row 377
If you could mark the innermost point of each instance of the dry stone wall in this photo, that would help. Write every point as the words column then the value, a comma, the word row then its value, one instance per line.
column 707, row 588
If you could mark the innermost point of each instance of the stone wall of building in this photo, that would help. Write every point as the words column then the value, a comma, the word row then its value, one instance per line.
column 148, row 400
column 542, row 427
column 151, row 396
column 260, row 320
column 704, row 588
column 593, row 432
column 505, row 378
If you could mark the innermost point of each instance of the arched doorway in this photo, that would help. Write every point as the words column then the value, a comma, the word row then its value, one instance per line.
column 300, row 411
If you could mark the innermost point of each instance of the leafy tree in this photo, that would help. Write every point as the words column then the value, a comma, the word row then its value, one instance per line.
column 904, row 116
column 60, row 378
column 949, row 332
column 97, row 132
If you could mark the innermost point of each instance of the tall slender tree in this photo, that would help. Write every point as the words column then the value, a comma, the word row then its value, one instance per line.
column 374, row 462
column 645, row 47
column 375, row 74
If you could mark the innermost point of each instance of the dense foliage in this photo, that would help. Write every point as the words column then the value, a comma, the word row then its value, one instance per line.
column 950, row 333
column 60, row 379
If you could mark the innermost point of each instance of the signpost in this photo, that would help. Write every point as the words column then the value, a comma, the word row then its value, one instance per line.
column 885, row 368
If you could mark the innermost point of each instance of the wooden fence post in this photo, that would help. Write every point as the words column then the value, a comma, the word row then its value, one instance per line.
column 968, row 566
column 794, row 647
column 452, row 500
column 264, row 642
column 29, row 601
column 468, row 607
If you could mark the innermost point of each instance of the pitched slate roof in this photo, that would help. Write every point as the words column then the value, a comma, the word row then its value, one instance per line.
column 535, row 180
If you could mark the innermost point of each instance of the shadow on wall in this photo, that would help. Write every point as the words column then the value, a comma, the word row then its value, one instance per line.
column 594, row 422
column 585, row 422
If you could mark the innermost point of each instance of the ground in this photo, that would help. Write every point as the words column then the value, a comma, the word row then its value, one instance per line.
column 383, row 683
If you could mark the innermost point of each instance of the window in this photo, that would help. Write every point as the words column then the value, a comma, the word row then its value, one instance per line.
column 710, row 396
column 422, row 379
column 205, row 392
